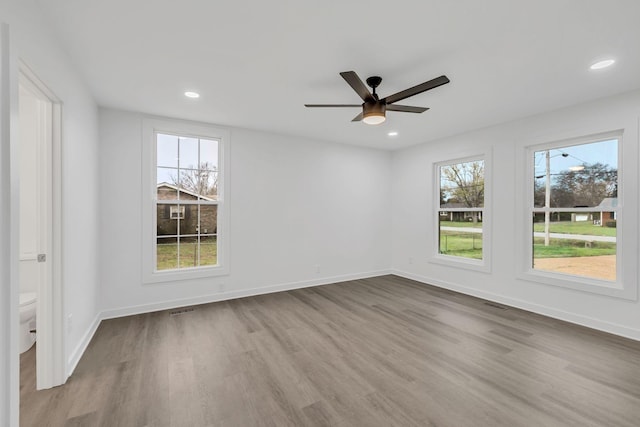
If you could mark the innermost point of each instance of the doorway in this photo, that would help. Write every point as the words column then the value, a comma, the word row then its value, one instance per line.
column 39, row 121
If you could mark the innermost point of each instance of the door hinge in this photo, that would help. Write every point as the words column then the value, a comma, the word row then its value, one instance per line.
column 42, row 257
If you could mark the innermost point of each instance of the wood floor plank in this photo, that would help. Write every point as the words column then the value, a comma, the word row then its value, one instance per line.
column 384, row 351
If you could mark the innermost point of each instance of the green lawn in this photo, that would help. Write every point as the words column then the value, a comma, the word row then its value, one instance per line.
column 466, row 245
column 469, row 245
column 469, row 224
column 582, row 227
column 561, row 248
column 167, row 254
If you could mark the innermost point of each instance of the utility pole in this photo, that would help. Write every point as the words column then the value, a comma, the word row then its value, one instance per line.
column 547, row 199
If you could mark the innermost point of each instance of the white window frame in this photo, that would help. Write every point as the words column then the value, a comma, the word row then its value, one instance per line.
column 152, row 127
column 483, row 265
column 176, row 211
column 582, row 283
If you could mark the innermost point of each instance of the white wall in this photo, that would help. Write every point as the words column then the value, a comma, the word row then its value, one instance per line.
column 294, row 204
column 413, row 207
column 36, row 46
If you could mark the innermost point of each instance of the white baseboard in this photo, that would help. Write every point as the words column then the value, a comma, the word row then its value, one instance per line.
column 223, row 296
column 578, row 319
column 204, row 299
column 77, row 353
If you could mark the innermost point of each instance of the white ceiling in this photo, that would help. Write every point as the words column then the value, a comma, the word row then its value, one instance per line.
column 256, row 63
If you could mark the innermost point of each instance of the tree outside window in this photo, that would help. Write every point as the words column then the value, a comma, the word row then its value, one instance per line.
column 186, row 202
column 462, row 192
column 575, row 209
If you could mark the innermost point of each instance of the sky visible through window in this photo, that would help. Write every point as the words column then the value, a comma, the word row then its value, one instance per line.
column 604, row 152
column 171, row 147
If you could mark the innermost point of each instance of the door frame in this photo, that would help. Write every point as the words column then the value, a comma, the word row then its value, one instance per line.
column 9, row 281
column 50, row 363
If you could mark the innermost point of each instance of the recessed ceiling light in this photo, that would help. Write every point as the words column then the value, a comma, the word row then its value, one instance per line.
column 602, row 64
column 189, row 94
column 393, row 133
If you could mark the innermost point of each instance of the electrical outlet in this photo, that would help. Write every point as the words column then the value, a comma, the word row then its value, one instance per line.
column 317, row 268
column 410, row 260
column 69, row 322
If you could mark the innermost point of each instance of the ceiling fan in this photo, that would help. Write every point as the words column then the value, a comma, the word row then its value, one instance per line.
column 373, row 108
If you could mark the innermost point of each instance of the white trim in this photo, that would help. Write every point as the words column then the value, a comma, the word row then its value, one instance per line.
column 77, row 352
column 82, row 346
column 460, row 262
column 229, row 295
column 625, row 286
column 483, row 265
column 589, row 322
column 151, row 127
column 9, row 229
column 50, row 367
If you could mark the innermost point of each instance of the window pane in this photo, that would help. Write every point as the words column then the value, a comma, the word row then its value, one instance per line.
column 208, row 219
column 209, row 154
column 208, row 250
column 186, row 172
column 462, row 185
column 167, row 253
column 166, row 223
column 188, row 252
column 460, row 234
column 583, row 175
column 189, row 222
column 167, row 150
column 209, row 186
column 188, row 153
column 166, row 183
column 577, row 243
column 196, row 182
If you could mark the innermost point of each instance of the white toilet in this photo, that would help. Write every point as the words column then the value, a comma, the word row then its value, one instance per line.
column 27, row 320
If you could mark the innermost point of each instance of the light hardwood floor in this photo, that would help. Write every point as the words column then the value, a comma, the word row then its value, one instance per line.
column 385, row 351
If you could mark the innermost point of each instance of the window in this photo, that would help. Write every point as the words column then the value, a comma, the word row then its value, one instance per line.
column 176, row 212
column 186, row 212
column 461, row 225
column 574, row 206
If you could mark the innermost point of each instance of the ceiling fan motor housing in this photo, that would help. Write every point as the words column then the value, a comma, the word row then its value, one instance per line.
column 374, row 112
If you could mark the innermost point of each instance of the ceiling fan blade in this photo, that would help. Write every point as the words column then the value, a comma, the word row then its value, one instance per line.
column 332, row 105
column 406, row 108
column 356, row 83
column 431, row 84
column 358, row 118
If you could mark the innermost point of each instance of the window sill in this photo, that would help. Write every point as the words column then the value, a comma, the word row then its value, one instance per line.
column 583, row 284
column 459, row 262
column 186, row 274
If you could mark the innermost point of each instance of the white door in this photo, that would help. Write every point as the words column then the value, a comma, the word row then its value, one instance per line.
column 40, row 248
column 35, row 140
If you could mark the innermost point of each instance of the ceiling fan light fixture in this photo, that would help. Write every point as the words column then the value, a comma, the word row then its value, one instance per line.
column 373, row 113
